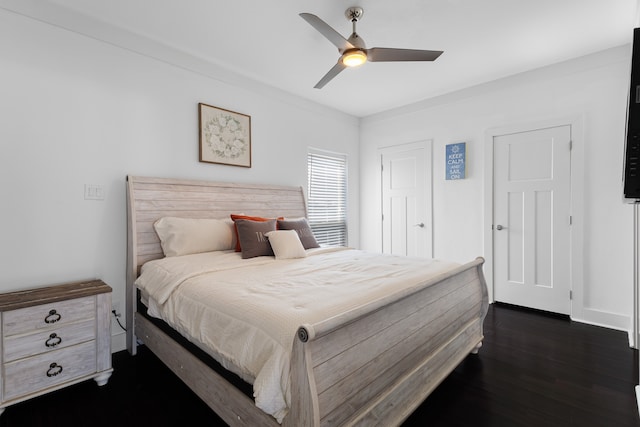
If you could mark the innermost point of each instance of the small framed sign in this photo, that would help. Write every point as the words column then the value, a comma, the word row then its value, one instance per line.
column 456, row 157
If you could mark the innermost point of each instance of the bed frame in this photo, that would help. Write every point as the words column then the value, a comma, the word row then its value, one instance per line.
column 373, row 365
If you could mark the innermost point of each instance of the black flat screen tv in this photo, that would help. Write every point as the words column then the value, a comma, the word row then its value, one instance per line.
column 631, row 174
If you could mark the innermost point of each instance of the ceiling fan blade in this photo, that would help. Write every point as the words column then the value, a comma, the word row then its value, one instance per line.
column 324, row 29
column 384, row 54
column 331, row 74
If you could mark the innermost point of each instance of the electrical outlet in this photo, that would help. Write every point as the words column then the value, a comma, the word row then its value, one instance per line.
column 115, row 306
column 117, row 317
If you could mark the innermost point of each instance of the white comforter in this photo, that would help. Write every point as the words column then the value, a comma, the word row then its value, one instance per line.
column 245, row 313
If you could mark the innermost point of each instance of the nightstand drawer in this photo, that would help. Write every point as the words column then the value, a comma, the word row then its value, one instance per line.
column 40, row 372
column 20, row 346
column 49, row 315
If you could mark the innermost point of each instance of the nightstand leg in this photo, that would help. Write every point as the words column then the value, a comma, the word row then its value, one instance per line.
column 476, row 348
column 102, row 379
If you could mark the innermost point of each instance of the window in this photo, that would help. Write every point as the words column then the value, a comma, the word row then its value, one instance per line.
column 327, row 197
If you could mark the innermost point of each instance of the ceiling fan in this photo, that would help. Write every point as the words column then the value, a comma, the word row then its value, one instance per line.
column 353, row 51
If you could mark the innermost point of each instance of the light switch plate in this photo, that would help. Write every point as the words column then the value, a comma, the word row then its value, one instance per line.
column 93, row 192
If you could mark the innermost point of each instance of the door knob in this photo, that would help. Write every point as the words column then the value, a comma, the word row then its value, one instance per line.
column 421, row 225
column 499, row 227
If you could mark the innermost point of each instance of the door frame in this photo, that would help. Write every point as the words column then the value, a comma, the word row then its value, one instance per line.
column 427, row 145
column 576, row 255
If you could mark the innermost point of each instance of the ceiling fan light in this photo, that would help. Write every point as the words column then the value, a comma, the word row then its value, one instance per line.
column 354, row 58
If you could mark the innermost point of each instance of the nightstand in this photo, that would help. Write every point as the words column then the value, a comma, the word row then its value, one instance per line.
column 53, row 337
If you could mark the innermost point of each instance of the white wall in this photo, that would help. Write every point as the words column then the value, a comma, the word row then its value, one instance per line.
column 76, row 111
column 592, row 88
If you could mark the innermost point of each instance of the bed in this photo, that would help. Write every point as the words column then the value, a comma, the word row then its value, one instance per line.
column 367, row 363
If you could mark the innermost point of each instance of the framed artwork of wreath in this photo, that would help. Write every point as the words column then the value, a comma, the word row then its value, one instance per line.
column 225, row 136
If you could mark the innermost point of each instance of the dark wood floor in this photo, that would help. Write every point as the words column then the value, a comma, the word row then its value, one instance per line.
column 533, row 370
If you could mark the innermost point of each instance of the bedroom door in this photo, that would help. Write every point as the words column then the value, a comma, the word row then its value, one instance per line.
column 532, row 218
column 406, row 199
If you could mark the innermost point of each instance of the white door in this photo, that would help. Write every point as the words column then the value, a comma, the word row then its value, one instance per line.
column 406, row 200
column 531, row 224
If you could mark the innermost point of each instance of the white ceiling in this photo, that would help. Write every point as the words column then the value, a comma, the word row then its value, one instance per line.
column 267, row 41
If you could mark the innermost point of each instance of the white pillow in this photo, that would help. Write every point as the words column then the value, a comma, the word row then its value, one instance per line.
column 183, row 236
column 286, row 244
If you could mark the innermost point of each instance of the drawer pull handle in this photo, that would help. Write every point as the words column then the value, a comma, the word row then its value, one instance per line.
column 53, row 317
column 54, row 369
column 53, row 340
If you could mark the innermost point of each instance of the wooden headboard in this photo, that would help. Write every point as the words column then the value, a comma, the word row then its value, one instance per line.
column 149, row 199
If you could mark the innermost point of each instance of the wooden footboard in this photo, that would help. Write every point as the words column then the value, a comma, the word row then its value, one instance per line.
column 375, row 365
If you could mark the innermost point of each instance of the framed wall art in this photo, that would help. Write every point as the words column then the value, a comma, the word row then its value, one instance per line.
column 456, row 160
column 225, row 136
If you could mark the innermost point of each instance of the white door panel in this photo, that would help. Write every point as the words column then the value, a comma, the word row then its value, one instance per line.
column 406, row 200
column 532, row 207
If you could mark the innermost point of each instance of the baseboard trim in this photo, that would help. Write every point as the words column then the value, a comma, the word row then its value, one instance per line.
column 617, row 321
column 118, row 342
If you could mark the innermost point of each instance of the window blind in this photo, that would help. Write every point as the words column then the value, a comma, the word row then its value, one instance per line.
column 327, row 197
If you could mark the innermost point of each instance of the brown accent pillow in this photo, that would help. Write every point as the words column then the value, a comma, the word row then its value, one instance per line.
column 234, row 217
column 251, row 235
column 301, row 226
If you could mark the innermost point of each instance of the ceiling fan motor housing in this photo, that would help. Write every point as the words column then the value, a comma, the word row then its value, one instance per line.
column 353, row 14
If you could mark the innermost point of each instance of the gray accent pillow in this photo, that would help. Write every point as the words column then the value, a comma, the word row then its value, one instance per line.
column 251, row 235
column 301, row 226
